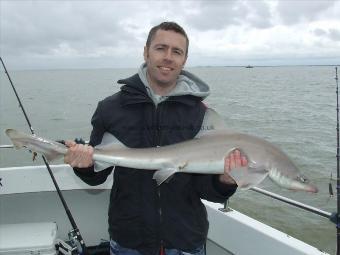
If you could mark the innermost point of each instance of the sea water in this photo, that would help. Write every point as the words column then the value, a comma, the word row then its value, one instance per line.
column 293, row 107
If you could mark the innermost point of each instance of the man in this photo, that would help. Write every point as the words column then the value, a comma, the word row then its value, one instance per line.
column 160, row 105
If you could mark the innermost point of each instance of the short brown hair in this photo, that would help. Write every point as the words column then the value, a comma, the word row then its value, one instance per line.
column 167, row 26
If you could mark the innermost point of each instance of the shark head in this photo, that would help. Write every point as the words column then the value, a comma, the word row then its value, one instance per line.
column 278, row 165
column 287, row 175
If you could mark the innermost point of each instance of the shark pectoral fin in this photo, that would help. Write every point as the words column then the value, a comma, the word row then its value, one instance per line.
column 240, row 176
column 164, row 174
column 248, row 177
column 100, row 166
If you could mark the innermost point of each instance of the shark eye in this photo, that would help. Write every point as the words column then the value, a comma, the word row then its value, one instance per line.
column 302, row 179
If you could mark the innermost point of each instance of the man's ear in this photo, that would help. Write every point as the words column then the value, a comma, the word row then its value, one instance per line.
column 145, row 53
column 185, row 60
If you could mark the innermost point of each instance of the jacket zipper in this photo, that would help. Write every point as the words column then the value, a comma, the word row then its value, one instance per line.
column 161, row 250
column 158, row 125
column 158, row 143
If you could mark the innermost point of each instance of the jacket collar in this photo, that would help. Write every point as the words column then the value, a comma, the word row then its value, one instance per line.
column 134, row 92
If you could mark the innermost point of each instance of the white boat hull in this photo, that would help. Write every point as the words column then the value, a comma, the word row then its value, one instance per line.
column 27, row 194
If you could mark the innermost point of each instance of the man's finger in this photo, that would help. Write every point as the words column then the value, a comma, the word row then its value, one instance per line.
column 227, row 165
column 70, row 143
column 244, row 160
column 232, row 163
column 237, row 158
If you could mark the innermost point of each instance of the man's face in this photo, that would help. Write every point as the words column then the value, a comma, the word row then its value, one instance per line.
column 165, row 58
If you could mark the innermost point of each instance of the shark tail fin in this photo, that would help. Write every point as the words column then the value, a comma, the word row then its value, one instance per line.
column 51, row 150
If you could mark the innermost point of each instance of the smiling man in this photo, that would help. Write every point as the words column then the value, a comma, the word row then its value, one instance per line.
column 165, row 54
column 160, row 105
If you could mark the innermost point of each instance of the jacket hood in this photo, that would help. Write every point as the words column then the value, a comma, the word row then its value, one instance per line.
column 187, row 84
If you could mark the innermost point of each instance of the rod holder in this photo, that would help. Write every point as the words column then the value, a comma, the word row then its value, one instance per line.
column 226, row 207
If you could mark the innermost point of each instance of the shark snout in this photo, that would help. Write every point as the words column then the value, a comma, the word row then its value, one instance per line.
column 306, row 184
column 312, row 188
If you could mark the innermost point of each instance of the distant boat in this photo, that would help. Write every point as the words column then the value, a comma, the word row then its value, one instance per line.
column 249, row 66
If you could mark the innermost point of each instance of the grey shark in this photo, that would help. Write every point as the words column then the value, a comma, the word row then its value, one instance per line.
column 204, row 154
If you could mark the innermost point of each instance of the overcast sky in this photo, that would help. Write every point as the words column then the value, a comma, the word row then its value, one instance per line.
column 105, row 34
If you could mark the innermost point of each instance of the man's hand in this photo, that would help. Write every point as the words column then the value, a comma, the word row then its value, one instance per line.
column 78, row 155
column 234, row 160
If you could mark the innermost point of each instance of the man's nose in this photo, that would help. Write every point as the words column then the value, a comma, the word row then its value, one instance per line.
column 168, row 55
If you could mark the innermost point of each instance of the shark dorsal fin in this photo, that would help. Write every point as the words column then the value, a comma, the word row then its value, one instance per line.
column 212, row 121
column 108, row 140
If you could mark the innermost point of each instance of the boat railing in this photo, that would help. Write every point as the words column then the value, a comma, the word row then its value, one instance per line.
column 6, row 146
column 317, row 211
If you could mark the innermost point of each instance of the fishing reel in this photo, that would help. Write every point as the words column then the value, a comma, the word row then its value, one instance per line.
column 72, row 246
column 76, row 140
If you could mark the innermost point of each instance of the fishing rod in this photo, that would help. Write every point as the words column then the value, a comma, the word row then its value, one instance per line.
column 337, row 164
column 75, row 233
column 295, row 203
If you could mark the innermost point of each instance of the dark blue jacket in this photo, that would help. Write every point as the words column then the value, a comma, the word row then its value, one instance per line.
column 143, row 215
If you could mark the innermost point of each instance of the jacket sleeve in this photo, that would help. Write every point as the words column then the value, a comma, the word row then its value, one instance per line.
column 209, row 187
column 88, row 175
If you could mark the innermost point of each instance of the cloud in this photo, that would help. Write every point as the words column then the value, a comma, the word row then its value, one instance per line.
column 55, row 34
column 292, row 11
column 216, row 15
column 259, row 14
column 50, row 27
column 332, row 33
